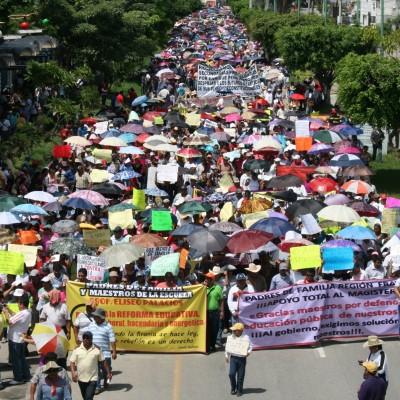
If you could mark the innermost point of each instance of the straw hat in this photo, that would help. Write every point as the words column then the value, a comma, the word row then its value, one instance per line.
column 372, row 341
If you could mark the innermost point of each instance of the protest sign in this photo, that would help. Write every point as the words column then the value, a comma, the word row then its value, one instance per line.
column 193, row 119
column 29, row 252
column 124, row 219
column 149, row 319
column 62, row 151
column 310, row 224
column 227, row 211
column 139, row 199
column 101, row 127
column 211, row 80
column 225, row 183
column 11, row 263
column 95, row 266
column 152, row 253
column 338, row 258
column 161, row 221
column 302, row 128
column 301, row 172
column 163, row 264
column 390, row 218
column 99, row 175
column 303, row 143
column 167, row 173
column 394, row 255
column 102, row 154
column 97, row 237
column 238, row 346
column 305, row 257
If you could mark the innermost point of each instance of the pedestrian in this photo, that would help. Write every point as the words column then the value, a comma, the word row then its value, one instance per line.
column 237, row 362
column 373, row 387
column 83, row 320
column 235, row 291
column 53, row 387
column 377, row 137
column 86, row 359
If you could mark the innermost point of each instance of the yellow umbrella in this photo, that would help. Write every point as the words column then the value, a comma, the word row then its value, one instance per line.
column 49, row 337
column 78, row 141
column 255, row 205
column 113, row 142
column 85, row 225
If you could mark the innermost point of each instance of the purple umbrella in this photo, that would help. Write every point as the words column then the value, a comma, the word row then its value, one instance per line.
column 336, row 200
column 341, row 243
column 319, row 148
column 337, row 128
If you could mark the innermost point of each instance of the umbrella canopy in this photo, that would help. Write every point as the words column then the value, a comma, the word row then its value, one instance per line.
column 206, row 241
column 255, row 205
column 50, row 337
column 319, row 148
column 252, row 165
column 284, row 181
column 297, row 97
column 91, row 196
column 341, row 243
column 188, row 153
column 251, row 139
column 130, row 150
column 337, row 200
column 108, row 189
column 192, row 207
column 186, row 230
column 64, row 226
column 244, row 241
column 28, row 209
column 323, row 185
column 365, row 209
column 123, row 207
column 155, row 191
column 339, row 214
column 268, row 142
column 40, row 196
column 303, row 207
column 356, row 233
column 113, row 142
column 55, row 206
column 78, row 141
column 198, row 140
column 70, row 246
column 122, row 253
column 359, row 170
column 225, row 227
column 139, row 100
column 349, row 150
column 7, row 202
column 277, row 226
column 148, row 240
column 221, row 136
column 346, row 160
column 128, row 137
column 133, row 128
column 286, row 245
column 327, row 136
column 122, row 176
column 287, row 195
column 351, row 131
column 233, row 117
column 79, row 203
column 326, row 170
column 357, row 187
column 7, row 218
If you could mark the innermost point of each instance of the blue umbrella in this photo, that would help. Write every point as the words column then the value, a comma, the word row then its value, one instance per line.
column 351, row 130
column 77, row 202
column 139, row 100
column 128, row 137
column 276, row 226
column 156, row 192
column 356, row 232
column 130, row 150
column 121, row 176
column 110, row 133
column 205, row 131
column 186, row 230
column 341, row 243
column 28, row 209
column 345, row 160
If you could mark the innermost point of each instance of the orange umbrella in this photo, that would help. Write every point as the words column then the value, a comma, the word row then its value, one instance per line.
column 148, row 240
column 255, row 205
column 28, row 237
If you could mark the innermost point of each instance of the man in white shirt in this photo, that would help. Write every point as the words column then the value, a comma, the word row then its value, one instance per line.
column 376, row 271
column 118, row 237
column 235, row 291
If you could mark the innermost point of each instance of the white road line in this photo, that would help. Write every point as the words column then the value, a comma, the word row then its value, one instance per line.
column 321, row 352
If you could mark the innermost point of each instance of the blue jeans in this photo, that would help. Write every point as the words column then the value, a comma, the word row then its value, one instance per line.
column 237, row 367
column 19, row 364
column 103, row 372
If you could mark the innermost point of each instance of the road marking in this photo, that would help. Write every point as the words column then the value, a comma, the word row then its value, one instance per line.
column 176, row 389
column 321, row 352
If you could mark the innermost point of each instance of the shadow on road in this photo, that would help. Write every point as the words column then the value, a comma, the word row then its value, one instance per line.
column 126, row 387
column 253, row 390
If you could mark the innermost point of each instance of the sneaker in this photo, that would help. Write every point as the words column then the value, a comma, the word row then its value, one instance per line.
column 97, row 391
column 238, row 394
column 233, row 392
column 1, row 386
column 14, row 382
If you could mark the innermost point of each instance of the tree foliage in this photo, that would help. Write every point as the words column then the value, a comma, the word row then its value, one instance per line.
column 369, row 89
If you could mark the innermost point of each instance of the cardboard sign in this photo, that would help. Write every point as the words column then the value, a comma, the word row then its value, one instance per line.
column 103, row 154
column 183, row 258
column 238, row 346
column 99, row 175
column 101, row 127
column 338, row 258
column 161, row 221
column 390, row 218
column 124, row 219
column 305, row 257
column 95, row 266
column 152, row 253
column 29, row 252
column 310, row 224
column 11, row 263
column 96, row 237
column 302, row 129
column 64, row 151
column 225, row 183
column 168, row 263
column 167, row 173
column 139, row 199
column 303, row 143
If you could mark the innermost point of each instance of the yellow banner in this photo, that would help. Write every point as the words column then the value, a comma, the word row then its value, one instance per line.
column 139, row 199
column 305, row 257
column 97, row 237
column 149, row 319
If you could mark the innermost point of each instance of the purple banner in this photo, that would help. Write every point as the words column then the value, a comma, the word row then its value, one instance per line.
column 306, row 314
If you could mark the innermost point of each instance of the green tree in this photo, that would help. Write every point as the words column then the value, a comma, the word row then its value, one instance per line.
column 369, row 89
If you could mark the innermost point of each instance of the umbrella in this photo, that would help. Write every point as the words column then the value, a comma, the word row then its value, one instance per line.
column 268, row 142
column 40, row 196
column 341, row 243
column 323, row 185
column 230, row 110
column 148, row 240
column 6, row 236
column 358, row 170
column 252, row 165
column 338, row 127
column 221, row 136
column 284, row 181
column 130, row 150
column 365, row 209
column 78, row 203
column 351, row 131
column 173, row 116
column 339, row 214
column 70, row 246
column 155, row 191
column 122, row 176
column 357, row 187
column 113, row 142
column 110, row 133
column 207, row 241
column 233, row 117
column 186, row 230
column 78, row 141
column 303, row 207
column 28, row 209
column 287, row 195
column 108, row 189
column 356, row 233
column 142, row 137
column 248, row 115
column 261, row 102
column 9, row 202
column 244, row 241
column 139, row 100
column 327, row 136
column 255, row 205
column 286, row 245
column 64, row 226
column 55, row 206
column 93, row 197
column 133, row 128
column 225, row 227
column 345, row 160
column 7, row 218
column 150, row 115
column 192, row 207
column 341, row 144
column 162, row 72
column 349, row 150
column 160, row 138
column 277, row 226
column 122, row 207
column 122, row 253
column 198, row 140
column 128, row 137
column 336, row 199
column 251, row 139
column 215, row 198
column 297, row 97
column 50, row 337
column 319, row 148
column 188, row 153
column 89, row 120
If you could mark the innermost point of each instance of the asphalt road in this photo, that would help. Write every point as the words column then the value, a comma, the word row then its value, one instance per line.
column 329, row 371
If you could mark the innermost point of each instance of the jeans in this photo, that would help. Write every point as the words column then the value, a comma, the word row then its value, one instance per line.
column 212, row 329
column 102, row 372
column 87, row 389
column 377, row 149
column 19, row 364
column 237, row 366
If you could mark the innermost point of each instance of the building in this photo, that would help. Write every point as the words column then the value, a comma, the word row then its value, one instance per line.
column 370, row 11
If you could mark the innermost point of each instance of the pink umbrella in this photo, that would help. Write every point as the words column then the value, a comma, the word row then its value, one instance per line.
column 251, row 139
column 233, row 117
column 93, row 197
column 315, row 125
column 349, row 150
column 337, row 128
column 120, row 185
column 188, row 152
column 94, row 138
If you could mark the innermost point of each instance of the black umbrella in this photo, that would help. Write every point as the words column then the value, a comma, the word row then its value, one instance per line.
column 54, row 206
column 305, row 206
column 180, row 124
column 209, row 109
column 252, row 165
column 155, row 130
column 284, row 181
column 287, row 195
column 107, row 189
column 173, row 116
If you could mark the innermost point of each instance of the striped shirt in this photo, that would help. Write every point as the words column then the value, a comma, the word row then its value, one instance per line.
column 103, row 336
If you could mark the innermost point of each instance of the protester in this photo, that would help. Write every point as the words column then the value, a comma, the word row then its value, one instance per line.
column 373, row 387
column 83, row 320
column 52, row 386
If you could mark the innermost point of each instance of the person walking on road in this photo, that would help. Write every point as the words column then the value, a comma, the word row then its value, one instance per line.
column 373, row 387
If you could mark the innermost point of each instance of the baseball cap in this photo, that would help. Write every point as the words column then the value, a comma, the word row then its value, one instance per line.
column 46, row 279
column 240, row 277
column 370, row 366
column 283, row 266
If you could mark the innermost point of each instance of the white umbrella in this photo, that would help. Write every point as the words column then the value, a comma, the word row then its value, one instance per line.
column 7, row 218
column 78, row 141
column 267, row 141
column 157, row 137
column 130, row 150
column 339, row 213
column 123, row 253
column 164, row 71
column 39, row 195
column 113, row 142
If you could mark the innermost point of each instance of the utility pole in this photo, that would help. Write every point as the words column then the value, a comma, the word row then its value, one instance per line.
column 298, row 9
column 325, row 11
column 358, row 15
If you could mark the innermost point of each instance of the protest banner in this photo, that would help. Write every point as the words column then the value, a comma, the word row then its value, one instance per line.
column 11, row 263
column 95, row 266
column 161, row 221
column 210, row 80
column 338, row 258
column 99, row 175
column 306, row 314
column 149, row 319
column 102, row 154
column 124, row 219
column 392, row 202
column 237, row 346
column 29, row 252
column 139, row 199
column 97, row 237
column 302, row 129
column 63, row 151
column 305, row 257
column 301, row 172
column 390, row 218
column 164, row 264
column 152, row 253
column 167, row 173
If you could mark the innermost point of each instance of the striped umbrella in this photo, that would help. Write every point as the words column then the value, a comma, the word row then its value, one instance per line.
column 345, row 160
column 93, row 197
column 188, row 153
column 357, row 187
column 50, row 337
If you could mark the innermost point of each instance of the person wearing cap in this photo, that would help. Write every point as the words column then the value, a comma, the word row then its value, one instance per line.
column 52, row 386
column 215, row 310
column 233, row 295
column 83, row 320
column 283, row 279
column 86, row 359
column 255, row 279
column 373, row 387
column 43, row 293
column 237, row 362
column 104, row 338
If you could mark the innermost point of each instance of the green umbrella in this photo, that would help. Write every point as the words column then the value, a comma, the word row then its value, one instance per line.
column 326, row 136
column 193, row 207
column 70, row 246
column 122, row 207
column 9, row 202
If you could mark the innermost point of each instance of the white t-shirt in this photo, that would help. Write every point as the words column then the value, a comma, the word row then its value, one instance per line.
column 58, row 315
column 19, row 323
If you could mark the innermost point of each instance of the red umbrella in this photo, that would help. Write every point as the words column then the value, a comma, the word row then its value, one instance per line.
column 364, row 209
column 297, row 97
column 262, row 102
column 142, row 137
column 150, row 115
column 89, row 121
column 286, row 245
column 248, row 240
column 188, row 152
column 323, row 185
column 349, row 150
